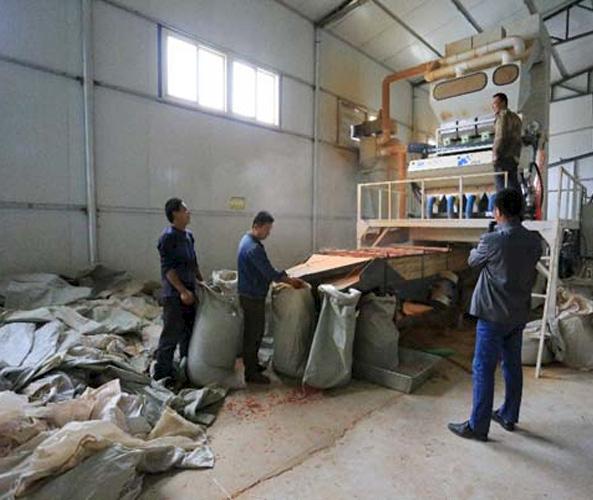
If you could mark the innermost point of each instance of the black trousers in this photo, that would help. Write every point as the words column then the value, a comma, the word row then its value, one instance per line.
column 254, row 322
column 178, row 323
column 509, row 166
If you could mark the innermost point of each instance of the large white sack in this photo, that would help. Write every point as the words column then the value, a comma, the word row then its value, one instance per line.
column 572, row 335
column 330, row 359
column 530, row 346
column 215, row 340
column 292, row 322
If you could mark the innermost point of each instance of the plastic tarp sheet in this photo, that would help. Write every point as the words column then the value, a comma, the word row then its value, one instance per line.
column 572, row 333
column 330, row 358
column 54, row 356
column 52, row 439
column 105, row 282
column 30, row 291
column 215, row 340
column 292, row 324
column 377, row 338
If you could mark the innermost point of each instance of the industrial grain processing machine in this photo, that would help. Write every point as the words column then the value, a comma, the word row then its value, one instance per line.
column 440, row 192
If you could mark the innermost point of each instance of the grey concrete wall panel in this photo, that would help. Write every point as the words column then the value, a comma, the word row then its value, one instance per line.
column 261, row 28
column 45, row 32
column 147, row 152
column 125, row 49
column 296, row 107
column 41, row 143
column 42, row 241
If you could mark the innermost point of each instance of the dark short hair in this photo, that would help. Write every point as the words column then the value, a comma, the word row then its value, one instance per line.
column 262, row 218
column 172, row 205
column 509, row 202
column 502, row 96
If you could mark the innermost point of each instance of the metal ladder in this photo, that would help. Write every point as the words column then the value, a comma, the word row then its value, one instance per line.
column 548, row 267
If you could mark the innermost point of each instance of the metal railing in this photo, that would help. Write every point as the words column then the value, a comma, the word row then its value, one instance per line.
column 570, row 205
column 571, row 193
column 400, row 190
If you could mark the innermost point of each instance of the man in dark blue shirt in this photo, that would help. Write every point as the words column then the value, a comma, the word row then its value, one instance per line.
column 255, row 275
column 179, row 271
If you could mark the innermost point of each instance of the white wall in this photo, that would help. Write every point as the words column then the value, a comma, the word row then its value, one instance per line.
column 41, row 143
column 571, row 134
column 147, row 151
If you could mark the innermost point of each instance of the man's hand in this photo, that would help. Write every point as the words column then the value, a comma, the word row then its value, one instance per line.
column 296, row 282
column 187, row 297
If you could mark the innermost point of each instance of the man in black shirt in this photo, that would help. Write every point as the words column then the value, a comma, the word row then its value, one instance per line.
column 179, row 271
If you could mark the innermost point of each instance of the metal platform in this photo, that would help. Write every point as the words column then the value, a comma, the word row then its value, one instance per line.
column 452, row 230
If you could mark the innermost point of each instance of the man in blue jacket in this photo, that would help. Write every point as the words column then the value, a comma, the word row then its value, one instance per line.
column 255, row 275
column 179, row 272
column 501, row 301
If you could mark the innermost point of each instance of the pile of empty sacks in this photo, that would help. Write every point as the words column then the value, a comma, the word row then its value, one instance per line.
column 77, row 407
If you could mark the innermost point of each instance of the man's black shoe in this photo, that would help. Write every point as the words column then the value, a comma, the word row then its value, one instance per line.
column 507, row 426
column 465, row 431
column 257, row 378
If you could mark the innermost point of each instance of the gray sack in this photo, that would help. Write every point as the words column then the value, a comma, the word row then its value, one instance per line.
column 330, row 359
column 216, row 339
column 377, row 338
column 292, row 323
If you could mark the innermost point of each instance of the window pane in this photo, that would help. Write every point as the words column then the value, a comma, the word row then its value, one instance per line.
column 267, row 92
column 243, row 90
column 181, row 69
column 211, row 79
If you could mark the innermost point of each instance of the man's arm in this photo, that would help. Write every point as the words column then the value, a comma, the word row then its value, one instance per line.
column 478, row 257
column 186, row 296
column 263, row 264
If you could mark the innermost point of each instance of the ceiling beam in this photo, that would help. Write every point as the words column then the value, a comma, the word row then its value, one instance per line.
column 465, row 13
column 572, row 38
column 559, row 9
column 407, row 28
column 340, row 12
column 532, row 8
column 573, row 75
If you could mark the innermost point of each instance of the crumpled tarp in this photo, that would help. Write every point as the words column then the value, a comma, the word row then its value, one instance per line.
column 29, row 291
column 77, row 393
column 99, row 420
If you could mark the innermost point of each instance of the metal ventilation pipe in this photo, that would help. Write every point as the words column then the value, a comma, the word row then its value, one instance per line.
column 500, row 57
column 516, row 43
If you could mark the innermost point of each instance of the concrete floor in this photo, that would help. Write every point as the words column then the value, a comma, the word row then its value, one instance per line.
column 364, row 441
